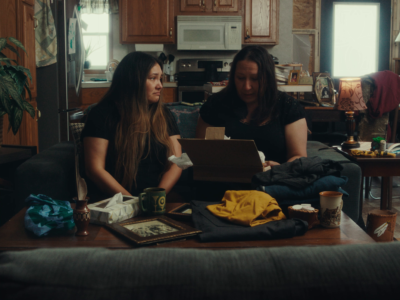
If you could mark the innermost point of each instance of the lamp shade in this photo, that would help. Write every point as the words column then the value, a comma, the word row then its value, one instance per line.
column 350, row 95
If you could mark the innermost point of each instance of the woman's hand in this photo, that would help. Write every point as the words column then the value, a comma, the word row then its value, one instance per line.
column 268, row 164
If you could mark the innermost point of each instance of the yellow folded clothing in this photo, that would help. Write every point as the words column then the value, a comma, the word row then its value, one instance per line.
column 249, row 208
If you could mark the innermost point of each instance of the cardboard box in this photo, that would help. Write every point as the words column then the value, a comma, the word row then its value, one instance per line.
column 114, row 209
column 223, row 160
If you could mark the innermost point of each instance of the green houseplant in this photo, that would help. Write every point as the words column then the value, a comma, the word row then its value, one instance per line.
column 13, row 86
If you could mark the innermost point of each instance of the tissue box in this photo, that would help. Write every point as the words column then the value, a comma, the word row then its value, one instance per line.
column 125, row 207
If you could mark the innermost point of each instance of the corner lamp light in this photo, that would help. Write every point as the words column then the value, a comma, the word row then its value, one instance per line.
column 350, row 100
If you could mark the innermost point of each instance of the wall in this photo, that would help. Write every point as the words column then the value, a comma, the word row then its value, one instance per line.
column 284, row 51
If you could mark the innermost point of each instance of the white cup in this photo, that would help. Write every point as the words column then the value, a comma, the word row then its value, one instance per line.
column 331, row 209
column 109, row 75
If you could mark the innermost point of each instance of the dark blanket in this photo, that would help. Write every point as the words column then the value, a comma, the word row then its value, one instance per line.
column 215, row 229
column 298, row 173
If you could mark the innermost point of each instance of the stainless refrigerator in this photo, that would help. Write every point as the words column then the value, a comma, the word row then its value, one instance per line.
column 59, row 85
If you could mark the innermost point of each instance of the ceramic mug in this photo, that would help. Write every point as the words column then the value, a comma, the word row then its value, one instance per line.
column 331, row 208
column 153, row 200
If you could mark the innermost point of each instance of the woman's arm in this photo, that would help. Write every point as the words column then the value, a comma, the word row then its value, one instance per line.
column 170, row 177
column 201, row 128
column 296, row 139
column 95, row 150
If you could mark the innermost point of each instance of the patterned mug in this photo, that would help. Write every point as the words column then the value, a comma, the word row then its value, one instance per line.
column 153, row 200
column 331, row 208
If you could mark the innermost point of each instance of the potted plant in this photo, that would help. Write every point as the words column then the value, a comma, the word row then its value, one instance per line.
column 89, row 50
column 13, row 86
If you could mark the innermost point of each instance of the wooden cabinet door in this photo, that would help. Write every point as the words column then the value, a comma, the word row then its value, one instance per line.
column 147, row 21
column 192, row 5
column 170, row 94
column 261, row 22
column 26, row 35
column 225, row 5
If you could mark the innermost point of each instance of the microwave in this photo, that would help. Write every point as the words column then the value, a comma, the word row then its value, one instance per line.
column 209, row 32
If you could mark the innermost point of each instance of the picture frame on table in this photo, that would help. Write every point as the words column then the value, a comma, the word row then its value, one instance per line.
column 294, row 77
column 323, row 90
column 183, row 212
column 155, row 229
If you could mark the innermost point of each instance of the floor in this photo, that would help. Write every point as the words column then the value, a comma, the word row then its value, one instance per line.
column 370, row 203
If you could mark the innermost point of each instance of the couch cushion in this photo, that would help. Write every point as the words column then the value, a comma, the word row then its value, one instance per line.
column 328, row 272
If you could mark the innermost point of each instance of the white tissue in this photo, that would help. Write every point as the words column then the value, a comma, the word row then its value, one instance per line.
column 262, row 156
column 182, row 162
column 305, row 206
column 117, row 198
column 226, row 137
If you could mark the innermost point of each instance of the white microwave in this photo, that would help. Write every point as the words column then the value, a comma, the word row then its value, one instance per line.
column 209, row 33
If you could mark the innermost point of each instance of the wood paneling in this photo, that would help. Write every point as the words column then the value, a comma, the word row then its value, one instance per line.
column 261, row 22
column 210, row 7
column 27, row 37
column 150, row 21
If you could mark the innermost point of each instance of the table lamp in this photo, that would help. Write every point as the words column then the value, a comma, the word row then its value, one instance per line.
column 350, row 100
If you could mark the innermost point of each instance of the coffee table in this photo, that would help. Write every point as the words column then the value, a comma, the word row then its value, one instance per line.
column 13, row 236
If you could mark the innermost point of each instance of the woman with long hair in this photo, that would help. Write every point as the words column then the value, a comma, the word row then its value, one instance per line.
column 130, row 134
column 251, row 107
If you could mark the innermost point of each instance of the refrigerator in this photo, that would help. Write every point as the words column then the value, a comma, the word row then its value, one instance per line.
column 59, row 85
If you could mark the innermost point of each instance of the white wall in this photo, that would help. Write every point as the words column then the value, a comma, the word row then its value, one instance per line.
column 284, row 51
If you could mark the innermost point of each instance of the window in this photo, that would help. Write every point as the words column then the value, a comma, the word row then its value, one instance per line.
column 96, row 39
column 355, row 39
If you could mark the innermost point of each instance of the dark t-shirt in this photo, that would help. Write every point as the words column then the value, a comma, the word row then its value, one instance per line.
column 219, row 111
column 102, row 123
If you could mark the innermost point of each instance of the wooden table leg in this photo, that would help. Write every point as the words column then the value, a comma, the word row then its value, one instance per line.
column 361, row 197
column 390, row 190
column 384, row 192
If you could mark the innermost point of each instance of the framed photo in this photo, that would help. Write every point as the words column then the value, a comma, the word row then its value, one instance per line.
column 183, row 212
column 323, row 89
column 294, row 77
column 149, row 230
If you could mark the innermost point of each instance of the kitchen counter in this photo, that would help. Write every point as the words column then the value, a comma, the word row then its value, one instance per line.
column 105, row 84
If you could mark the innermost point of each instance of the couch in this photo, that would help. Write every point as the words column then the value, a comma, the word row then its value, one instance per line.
column 52, row 171
column 370, row 271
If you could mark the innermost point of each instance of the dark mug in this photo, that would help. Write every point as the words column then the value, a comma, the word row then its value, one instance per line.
column 153, row 201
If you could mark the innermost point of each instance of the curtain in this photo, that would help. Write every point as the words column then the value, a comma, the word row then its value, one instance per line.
column 99, row 6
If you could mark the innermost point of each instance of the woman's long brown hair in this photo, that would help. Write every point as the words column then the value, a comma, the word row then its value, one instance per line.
column 139, row 121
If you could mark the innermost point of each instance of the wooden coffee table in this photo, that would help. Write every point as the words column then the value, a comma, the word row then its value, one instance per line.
column 13, row 236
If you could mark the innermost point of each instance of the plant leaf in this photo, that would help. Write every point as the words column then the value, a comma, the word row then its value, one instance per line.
column 17, row 43
column 13, row 50
column 13, row 90
column 5, row 98
column 29, row 108
column 3, row 43
column 29, row 90
column 16, row 118
column 25, row 70
column 18, row 76
column 2, row 112
column 9, row 60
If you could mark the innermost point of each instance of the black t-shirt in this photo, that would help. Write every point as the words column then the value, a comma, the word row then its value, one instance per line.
column 219, row 111
column 102, row 123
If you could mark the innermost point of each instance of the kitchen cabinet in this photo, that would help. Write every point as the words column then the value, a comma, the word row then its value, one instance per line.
column 261, row 20
column 147, row 21
column 209, row 6
column 170, row 94
column 91, row 96
column 19, row 22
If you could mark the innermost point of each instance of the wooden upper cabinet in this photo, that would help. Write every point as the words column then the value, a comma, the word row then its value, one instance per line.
column 147, row 21
column 225, row 5
column 261, row 22
column 193, row 5
column 27, row 37
column 210, row 6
